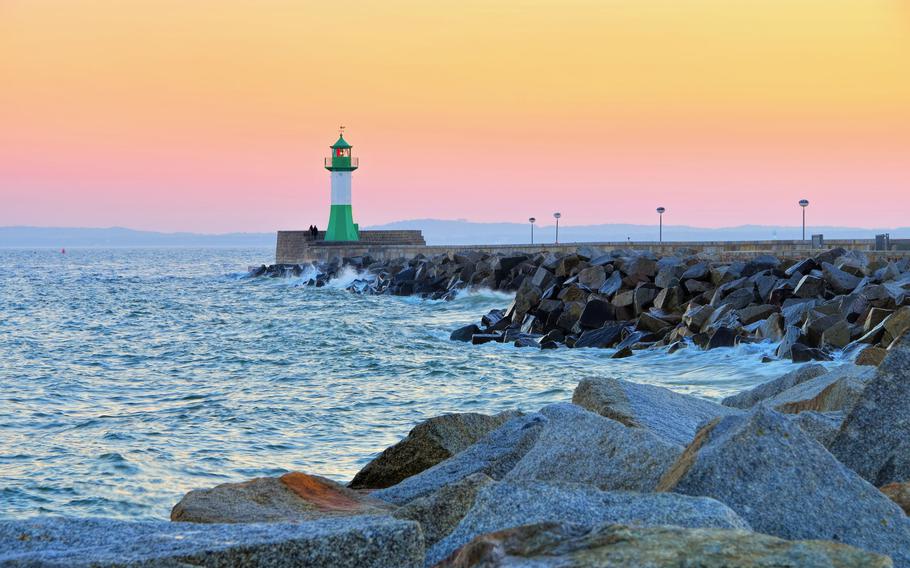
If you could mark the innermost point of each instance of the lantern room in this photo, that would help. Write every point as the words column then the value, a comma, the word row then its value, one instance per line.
column 341, row 159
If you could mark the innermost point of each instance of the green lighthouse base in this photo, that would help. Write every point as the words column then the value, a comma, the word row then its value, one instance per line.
column 341, row 225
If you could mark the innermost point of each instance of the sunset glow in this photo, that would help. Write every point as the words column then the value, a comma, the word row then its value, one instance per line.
column 215, row 116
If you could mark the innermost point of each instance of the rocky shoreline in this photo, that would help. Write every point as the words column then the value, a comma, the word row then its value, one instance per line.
column 812, row 308
column 809, row 469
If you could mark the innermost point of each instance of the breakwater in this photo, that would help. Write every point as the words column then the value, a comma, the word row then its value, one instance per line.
column 811, row 307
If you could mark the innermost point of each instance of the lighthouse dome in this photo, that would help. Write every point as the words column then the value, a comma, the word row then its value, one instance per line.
column 341, row 143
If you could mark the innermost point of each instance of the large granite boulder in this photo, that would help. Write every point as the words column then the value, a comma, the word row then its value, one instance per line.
column 513, row 503
column 835, row 391
column 376, row 542
column 748, row 398
column 495, row 455
column 875, row 438
column 562, row 545
column 583, row 447
column 430, row 442
column 786, row 484
column 838, row 280
column 291, row 497
column 606, row 336
column 439, row 512
column 673, row 416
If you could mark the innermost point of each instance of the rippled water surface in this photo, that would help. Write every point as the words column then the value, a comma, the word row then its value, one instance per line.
column 128, row 377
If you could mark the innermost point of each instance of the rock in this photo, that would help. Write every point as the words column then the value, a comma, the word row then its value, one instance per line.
column 611, row 285
column 668, row 276
column 495, row 455
column 871, row 355
column 440, row 512
column 791, row 337
column 696, row 316
column 875, row 317
column 772, row 328
column 367, row 541
column 795, row 488
column 699, row 271
column 481, row 338
column 427, row 444
column 607, row 336
column 592, row 277
column 821, row 426
column 896, row 324
column 513, row 503
column 816, row 324
column 622, row 353
column 810, row 287
column 596, row 313
column 561, row 545
column 836, row 336
column 669, row 298
column 752, row 314
column 737, row 299
column 580, row 446
column 875, row 438
column 722, row 337
column 748, row 399
column 802, row 354
column 464, row 333
column 899, row 493
column 643, row 296
column 673, row 416
column 289, row 498
column 639, row 269
column 839, row 281
column 837, row 390
column 651, row 324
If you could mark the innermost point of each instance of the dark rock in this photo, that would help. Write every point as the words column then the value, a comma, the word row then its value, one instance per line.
column 696, row 316
column 611, row 285
column 650, row 323
column 791, row 337
column 481, row 338
column 722, row 337
column 464, row 333
column 871, row 355
column 622, row 353
column 592, row 277
column 699, row 271
column 596, row 313
column 802, row 354
column 752, row 314
column 429, row 443
column 607, row 336
column 810, row 287
column 838, row 280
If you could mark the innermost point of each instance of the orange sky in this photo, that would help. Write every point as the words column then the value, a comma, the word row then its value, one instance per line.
column 214, row 116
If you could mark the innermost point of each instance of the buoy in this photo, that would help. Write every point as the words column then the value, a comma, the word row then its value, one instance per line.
column 63, row 251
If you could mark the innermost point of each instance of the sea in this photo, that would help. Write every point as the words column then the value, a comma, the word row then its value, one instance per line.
column 131, row 376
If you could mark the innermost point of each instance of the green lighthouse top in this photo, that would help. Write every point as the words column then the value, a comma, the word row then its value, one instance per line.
column 341, row 160
column 341, row 143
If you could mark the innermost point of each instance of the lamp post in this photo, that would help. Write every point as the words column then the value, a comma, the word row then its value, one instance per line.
column 660, row 212
column 531, row 220
column 556, row 216
column 804, row 203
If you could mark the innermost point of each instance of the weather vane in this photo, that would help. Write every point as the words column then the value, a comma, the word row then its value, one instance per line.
column 341, row 130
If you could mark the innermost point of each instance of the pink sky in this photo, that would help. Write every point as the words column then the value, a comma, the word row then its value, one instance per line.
column 219, row 122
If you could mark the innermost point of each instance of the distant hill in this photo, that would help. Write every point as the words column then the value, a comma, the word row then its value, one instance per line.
column 444, row 232
column 435, row 231
column 120, row 237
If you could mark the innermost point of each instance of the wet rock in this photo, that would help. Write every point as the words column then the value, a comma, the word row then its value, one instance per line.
column 772, row 328
column 795, row 489
column 748, row 399
column 802, row 354
column 611, row 285
column 596, row 313
column 579, row 446
column 464, row 333
column 643, row 297
column 899, row 493
column 810, row 287
column 514, row 503
column 871, row 356
column 622, row 353
column 289, row 498
column 429, row 443
column 722, row 337
column 561, row 545
column 696, row 316
column 481, row 338
column 440, row 512
column 875, row 437
column 495, row 455
column 837, row 336
column 791, row 337
column 673, row 416
column 366, row 541
column 607, row 336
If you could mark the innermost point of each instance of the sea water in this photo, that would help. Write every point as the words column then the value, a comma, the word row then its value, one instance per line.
column 131, row 376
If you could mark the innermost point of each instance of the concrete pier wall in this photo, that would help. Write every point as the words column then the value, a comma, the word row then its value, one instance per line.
column 291, row 250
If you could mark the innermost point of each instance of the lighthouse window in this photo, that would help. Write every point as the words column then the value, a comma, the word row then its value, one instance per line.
column 343, row 152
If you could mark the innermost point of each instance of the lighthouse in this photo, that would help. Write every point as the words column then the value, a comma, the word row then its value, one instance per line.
column 340, row 165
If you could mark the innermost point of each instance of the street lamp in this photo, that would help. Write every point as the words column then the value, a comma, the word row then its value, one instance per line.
column 557, row 216
column 531, row 220
column 660, row 211
column 804, row 203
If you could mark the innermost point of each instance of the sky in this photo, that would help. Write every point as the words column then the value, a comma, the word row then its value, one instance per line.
column 215, row 115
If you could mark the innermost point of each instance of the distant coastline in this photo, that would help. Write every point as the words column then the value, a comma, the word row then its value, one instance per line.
column 436, row 232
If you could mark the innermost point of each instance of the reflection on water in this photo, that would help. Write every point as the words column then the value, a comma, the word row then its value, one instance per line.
column 128, row 377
